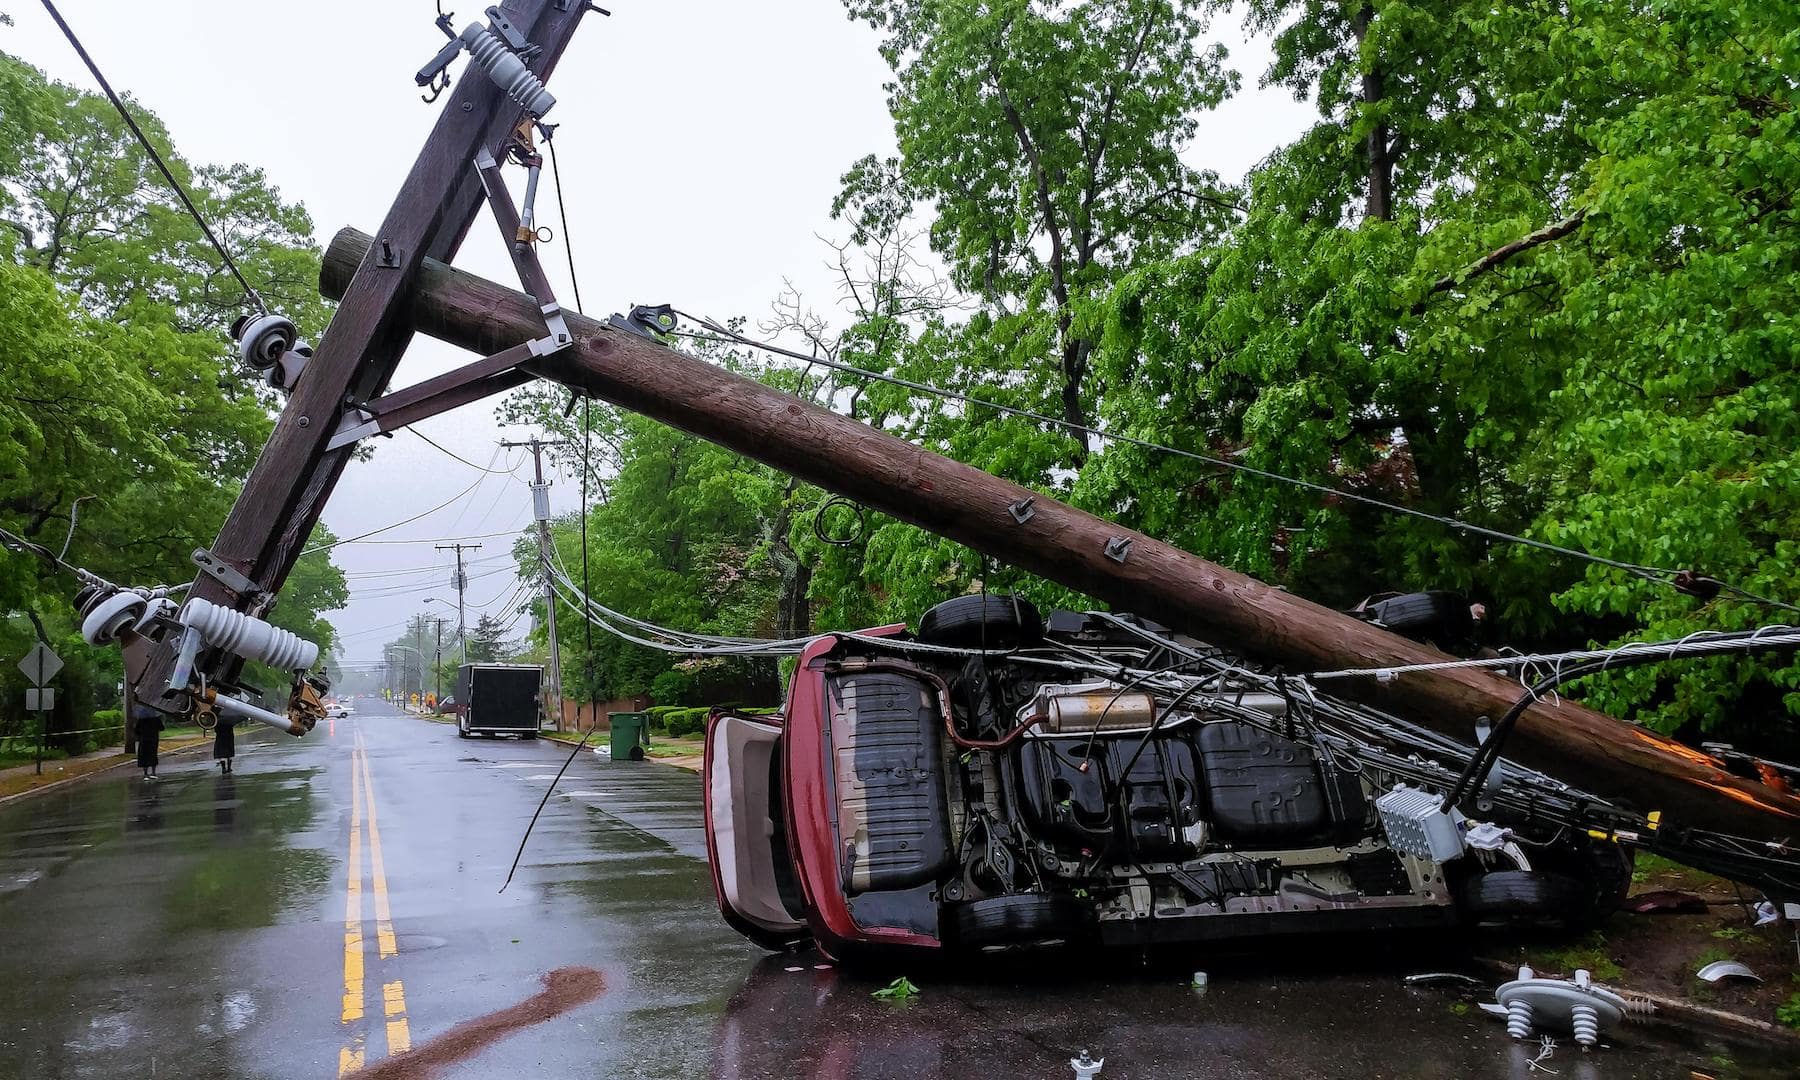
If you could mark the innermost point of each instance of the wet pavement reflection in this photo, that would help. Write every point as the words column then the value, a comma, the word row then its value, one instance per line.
column 196, row 927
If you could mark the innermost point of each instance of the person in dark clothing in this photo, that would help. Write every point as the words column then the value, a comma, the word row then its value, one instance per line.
column 149, row 725
column 224, row 743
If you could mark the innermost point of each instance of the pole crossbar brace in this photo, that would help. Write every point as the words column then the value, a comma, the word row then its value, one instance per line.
column 493, row 374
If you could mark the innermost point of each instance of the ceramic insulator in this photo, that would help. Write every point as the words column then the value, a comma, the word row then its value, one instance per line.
column 249, row 637
column 1586, row 1023
column 1518, row 1019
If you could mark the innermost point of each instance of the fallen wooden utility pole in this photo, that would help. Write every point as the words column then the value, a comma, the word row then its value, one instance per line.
column 1126, row 569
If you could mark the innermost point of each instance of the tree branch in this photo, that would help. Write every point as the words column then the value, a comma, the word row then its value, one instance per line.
column 1501, row 254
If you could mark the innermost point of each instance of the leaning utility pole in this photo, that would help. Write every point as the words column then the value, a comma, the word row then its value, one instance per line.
column 1125, row 568
column 540, row 508
column 462, row 584
column 279, row 505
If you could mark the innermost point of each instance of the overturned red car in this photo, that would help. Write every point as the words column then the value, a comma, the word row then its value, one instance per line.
column 1001, row 780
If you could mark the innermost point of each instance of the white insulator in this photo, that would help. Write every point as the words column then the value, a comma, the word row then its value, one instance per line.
column 1639, row 1010
column 1586, row 1024
column 249, row 637
column 507, row 70
column 112, row 616
column 1518, row 1019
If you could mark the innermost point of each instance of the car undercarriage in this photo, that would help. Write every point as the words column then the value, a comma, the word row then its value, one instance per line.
column 1001, row 780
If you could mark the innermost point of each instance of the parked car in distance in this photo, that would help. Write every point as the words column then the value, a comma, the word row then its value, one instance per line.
column 993, row 780
column 447, row 706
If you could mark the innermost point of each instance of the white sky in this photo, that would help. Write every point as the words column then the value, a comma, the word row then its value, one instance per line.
column 701, row 142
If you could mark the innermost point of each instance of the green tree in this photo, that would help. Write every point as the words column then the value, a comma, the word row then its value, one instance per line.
column 1563, row 307
column 125, row 420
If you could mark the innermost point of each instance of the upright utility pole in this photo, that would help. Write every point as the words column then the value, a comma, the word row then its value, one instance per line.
column 540, row 508
column 462, row 584
column 437, row 666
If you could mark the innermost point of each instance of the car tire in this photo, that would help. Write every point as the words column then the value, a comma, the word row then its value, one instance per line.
column 995, row 620
column 1525, row 896
column 1018, row 919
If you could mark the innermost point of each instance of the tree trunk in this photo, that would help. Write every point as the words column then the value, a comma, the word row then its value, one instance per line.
column 1380, row 201
column 1124, row 568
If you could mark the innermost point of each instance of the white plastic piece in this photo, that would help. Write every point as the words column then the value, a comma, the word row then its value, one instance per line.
column 1086, row 1068
column 115, row 613
column 1417, row 825
column 1727, row 969
column 249, row 637
column 1485, row 836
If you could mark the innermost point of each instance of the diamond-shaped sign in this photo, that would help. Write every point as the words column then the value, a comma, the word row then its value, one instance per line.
column 40, row 664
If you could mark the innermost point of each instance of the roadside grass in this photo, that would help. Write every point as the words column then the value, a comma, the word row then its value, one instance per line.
column 1591, row 952
column 24, row 778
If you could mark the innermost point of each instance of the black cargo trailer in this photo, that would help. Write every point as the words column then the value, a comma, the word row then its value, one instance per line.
column 498, row 699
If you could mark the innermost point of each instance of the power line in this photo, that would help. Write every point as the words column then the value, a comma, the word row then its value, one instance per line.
column 420, row 540
column 1657, row 574
column 364, row 537
column 180, row 192
column 451, row 453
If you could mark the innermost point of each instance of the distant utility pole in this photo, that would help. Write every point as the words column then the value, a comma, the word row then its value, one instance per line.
column 540, row 506
column 437, row 667
column 462, row 584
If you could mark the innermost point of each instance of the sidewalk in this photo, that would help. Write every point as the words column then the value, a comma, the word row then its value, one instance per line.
column 25, row 780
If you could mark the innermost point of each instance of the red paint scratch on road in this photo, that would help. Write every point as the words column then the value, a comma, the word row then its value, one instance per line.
column 564, row 989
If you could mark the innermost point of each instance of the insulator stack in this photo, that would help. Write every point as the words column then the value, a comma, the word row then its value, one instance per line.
column 507, row 70
column 1584, row 1021
column 1518, row 1019
column 249, row 637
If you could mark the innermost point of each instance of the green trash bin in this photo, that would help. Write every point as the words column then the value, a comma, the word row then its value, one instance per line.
column 630, row 735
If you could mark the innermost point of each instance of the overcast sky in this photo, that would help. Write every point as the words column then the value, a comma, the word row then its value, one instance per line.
column 701, row 144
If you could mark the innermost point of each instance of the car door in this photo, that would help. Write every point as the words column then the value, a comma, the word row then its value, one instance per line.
column 746, row 832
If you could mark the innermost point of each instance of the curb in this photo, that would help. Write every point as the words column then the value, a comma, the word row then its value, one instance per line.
column 54, row 784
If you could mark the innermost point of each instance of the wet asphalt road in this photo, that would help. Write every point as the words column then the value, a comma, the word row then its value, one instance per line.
column 204, row 926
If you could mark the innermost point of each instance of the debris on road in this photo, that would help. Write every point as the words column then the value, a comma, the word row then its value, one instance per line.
column 1720, row 970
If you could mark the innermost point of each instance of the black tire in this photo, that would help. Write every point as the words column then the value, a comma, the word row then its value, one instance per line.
column 1530, row 897
column 1018, row 919
column 969, row 622
column 637, row 753
column 461, row 732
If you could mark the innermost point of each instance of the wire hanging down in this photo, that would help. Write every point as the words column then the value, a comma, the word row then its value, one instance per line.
column 1680, row 580
column 180, row 192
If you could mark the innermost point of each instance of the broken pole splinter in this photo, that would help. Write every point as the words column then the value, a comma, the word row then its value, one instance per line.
column 1126, row 569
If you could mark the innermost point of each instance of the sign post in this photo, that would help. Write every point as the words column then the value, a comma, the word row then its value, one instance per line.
column 40, row 665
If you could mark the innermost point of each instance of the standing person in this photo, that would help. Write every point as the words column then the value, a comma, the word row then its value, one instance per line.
column 224, row 743
column 149, row 725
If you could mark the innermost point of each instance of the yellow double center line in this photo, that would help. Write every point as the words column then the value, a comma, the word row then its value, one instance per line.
column 393, row 994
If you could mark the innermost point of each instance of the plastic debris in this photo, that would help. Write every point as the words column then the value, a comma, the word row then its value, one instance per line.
column 1199, row 982
column 1441, row 976
column 1720, row 970
column 1086, row 1068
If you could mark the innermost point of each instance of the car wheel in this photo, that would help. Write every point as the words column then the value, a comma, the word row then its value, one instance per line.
column 1018, row 919
column 995, row 621
column 1524, row 896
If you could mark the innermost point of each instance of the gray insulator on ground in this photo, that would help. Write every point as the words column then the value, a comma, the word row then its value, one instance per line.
column 1518, row 1019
